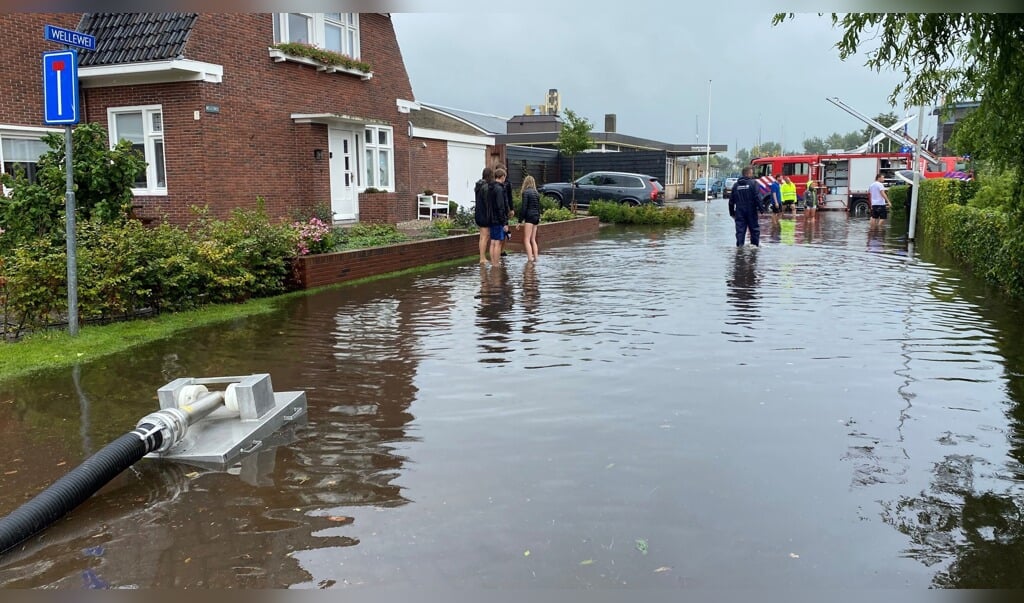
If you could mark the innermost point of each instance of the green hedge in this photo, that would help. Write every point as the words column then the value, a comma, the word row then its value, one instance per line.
column 619, row 213
column 985, row 240
column 898, row 195
column 126, row 268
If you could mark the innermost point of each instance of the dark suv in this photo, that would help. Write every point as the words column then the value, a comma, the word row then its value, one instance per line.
column 631, row 189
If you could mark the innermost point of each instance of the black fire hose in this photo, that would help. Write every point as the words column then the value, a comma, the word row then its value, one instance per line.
column 74, row 488
column 155, row 432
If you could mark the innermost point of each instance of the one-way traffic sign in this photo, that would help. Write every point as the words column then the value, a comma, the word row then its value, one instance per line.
column 60, row 87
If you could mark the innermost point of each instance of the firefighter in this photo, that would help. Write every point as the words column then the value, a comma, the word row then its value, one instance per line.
column 744, row 204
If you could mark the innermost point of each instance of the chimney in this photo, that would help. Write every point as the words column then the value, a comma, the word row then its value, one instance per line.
column 609, row 122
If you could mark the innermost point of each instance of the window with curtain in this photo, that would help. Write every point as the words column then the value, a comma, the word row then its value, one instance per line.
column 21, row 153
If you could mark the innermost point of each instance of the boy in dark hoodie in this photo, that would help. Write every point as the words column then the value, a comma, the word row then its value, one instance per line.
column 499, row 214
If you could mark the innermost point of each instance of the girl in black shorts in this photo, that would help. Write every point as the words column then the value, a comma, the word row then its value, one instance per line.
column 531, row 217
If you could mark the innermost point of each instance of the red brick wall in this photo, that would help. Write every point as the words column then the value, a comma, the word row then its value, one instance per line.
column 430, row 165
column 329, row 268
column 21, row 64
column 549, row 232
column 251, row 147
column 385, row 208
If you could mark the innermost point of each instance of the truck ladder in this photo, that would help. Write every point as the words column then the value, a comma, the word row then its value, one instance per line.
column 866, row 147
column 899, row 137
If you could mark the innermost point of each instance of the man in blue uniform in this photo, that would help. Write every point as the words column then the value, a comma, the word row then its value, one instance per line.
column 744, row 206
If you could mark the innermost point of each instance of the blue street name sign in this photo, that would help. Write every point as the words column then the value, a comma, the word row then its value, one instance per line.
column 69, row 37
column 60, row 87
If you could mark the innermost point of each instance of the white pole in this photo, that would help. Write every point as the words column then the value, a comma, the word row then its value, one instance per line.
column 917, row 175
column 707, row 162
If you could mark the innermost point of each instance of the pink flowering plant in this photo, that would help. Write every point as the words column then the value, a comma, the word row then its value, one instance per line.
column 315, row 236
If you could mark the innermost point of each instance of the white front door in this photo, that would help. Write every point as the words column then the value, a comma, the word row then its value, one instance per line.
column 341, row 145
column 465, row 163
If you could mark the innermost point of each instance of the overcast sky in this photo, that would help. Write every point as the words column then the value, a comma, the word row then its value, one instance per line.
column 649, row 63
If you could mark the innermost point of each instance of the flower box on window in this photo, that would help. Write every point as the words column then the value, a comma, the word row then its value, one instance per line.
column 323, row 60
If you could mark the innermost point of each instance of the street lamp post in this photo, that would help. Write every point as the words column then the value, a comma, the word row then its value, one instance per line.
column 707, row 161
column 917, row 177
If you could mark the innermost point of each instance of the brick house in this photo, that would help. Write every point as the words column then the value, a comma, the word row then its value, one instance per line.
column 222, row 115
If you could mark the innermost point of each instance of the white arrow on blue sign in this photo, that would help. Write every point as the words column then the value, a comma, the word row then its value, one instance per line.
column 60, row 87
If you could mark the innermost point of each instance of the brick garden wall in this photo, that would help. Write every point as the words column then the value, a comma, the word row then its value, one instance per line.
column 329, row 268
column 550, row 232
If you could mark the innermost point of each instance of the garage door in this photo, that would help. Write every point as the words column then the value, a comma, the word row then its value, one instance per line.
column 465, row 162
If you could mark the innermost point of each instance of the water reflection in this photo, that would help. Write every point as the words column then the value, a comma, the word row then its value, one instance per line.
column 165, row 525
column 743, row 295
column 876, row 238
column 530, row 298
column 977, row 535
column 493, row 314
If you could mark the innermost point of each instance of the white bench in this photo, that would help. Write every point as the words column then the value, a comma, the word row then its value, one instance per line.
column 431, row 204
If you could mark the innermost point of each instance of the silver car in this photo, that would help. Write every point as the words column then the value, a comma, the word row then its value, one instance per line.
column 729, row 182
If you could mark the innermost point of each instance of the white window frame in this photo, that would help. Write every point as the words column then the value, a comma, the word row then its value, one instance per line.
column 149, row 139
column 372, row 147
column 349, row 25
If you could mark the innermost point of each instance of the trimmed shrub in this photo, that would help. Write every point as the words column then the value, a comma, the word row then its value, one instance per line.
column 619, row 213
column 556, row 214
column 900, row 198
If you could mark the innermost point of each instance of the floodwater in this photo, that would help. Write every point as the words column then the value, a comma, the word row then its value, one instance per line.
column 650, row 408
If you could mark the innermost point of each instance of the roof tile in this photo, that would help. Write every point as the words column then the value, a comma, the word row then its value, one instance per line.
column 135, row 37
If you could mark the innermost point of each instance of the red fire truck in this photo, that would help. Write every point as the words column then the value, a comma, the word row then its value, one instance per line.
column 844, row 177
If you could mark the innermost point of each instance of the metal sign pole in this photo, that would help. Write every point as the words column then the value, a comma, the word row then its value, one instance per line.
column 69, row 210
column 61, row 105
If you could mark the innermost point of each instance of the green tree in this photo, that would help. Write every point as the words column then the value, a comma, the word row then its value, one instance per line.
column 573, row 139
column 767, row 149
column 852, row 140
column 103, row 179
column 886, row 119
column 815, row 145
column 955, row 57
column 723, row 163
column 743, row 157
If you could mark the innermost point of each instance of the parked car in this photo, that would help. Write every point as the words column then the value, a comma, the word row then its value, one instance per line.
column 727, row 189
column 622, row 187
column 714, row 191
